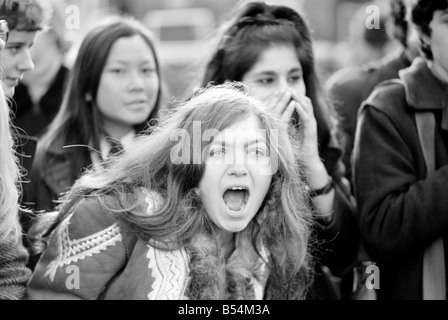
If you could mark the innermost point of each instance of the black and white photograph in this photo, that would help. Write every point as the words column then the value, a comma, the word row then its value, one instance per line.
column 208, row 150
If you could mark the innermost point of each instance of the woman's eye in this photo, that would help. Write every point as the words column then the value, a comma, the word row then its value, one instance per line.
column 117, row 71
column 217, row 152
column 266, row 81
column 14, row 49
column 148, row 70
column 258, row 152
column 295, row 78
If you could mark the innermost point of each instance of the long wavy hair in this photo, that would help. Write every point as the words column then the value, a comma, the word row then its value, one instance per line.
column 254, row 27
column 283, row 222
column 79, row 120
column 9, row 176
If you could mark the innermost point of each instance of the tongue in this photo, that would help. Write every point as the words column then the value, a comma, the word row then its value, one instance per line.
column 234, row 199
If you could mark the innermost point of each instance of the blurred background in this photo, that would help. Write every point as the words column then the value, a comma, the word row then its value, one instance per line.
column 184, row 28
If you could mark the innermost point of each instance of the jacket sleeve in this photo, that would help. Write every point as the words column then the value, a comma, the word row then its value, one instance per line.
column 401, row 213
column 13, row 272
column 339, row 238
column 84, row 254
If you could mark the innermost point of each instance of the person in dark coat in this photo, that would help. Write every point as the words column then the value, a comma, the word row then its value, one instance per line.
column 349, row 87
column 403, row 209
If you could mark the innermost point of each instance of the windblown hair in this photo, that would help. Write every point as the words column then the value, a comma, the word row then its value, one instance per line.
column 79, row 120
column 421, row 14
column 9, row 176
column 26, row 15
column 255, row 27
column 282, row 225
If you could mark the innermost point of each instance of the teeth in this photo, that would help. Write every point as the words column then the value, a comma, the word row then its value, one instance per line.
column 238, row 188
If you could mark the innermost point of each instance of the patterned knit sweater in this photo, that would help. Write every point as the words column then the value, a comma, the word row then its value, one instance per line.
column 92, row 255
column 13, row 272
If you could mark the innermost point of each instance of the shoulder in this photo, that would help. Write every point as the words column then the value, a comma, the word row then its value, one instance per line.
column 89, row 216
column 344, row 78
column 89, row 232
column 387, row 113
column 388, row 97
column 95, row 214
column 90, row 242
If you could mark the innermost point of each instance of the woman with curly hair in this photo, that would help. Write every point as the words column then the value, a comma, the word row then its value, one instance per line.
column 269, row 48
column 211, row 205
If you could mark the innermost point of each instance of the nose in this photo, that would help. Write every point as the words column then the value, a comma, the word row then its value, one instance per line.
column 25, row 63
column 136, row 81
column 238, row 170
column 238, row 166
column 284, row 85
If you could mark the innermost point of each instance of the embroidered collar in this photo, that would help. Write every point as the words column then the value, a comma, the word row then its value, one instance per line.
column 424, row 91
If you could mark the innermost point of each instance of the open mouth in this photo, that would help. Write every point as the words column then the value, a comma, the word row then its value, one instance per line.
column 236, row 198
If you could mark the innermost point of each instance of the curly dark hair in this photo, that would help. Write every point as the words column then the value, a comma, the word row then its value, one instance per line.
column 421, row 14
column 26, row 15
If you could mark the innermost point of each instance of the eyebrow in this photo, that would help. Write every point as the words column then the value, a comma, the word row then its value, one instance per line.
column 248, row 143
column 270, row 72
column 254, row 141
column 16, row 43
column 127, row 62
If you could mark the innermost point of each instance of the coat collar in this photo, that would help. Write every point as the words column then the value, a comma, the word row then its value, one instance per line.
column 424, row 91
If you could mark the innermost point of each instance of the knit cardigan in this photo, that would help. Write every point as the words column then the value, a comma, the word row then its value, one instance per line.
column 14, row 274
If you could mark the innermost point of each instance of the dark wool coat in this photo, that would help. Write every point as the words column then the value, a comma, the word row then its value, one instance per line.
column 34, row 119
column 349, row 88
column 401, row 209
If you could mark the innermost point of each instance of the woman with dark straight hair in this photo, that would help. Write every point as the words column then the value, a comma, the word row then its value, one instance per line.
column 269, row 48
column 113, row 93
